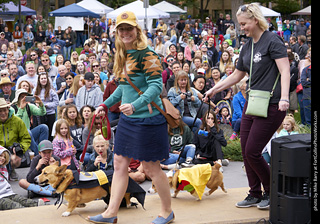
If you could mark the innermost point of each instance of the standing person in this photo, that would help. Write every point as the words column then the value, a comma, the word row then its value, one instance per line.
column 270, row 58
column 138, row 122
column 50, row 99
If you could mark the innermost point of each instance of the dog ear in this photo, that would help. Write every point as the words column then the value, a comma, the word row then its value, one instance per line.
column 56, row 163
column 61, row 169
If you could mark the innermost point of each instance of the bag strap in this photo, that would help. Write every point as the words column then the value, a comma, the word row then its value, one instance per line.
column 275, row 83
column 140, row 93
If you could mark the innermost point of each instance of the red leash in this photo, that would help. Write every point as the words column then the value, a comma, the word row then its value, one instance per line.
column 103, row 130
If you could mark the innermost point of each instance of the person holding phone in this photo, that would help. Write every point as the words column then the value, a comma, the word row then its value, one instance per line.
column 27, row 105
column 7, row 93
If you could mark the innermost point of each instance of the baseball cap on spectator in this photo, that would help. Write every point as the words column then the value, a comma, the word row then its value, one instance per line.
column 201, row 71
column 207, row 18
column 52, row 36
column 45, row 145
column 89, row 76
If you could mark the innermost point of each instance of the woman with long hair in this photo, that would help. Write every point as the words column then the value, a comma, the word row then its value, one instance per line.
column 138, row 121
column 185, row 98
column 49, row 98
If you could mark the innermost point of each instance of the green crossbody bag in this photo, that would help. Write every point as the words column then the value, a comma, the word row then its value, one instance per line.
column 258, row 100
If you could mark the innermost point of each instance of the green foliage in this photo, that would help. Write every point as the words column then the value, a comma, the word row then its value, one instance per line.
column 233, row 150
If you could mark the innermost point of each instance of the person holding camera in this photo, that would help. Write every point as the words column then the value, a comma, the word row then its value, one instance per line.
column 25, row 106
column 13, row 130
column 185, row 98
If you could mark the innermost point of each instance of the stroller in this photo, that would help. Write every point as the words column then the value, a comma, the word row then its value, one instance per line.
column 225, row 122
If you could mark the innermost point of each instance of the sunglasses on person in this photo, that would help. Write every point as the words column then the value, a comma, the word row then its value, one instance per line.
column 32, row 55
column 245, row 8
column 95, row 66
column 170, row 60
column 44, row 60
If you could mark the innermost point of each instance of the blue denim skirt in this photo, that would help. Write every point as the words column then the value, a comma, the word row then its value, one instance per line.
column 143, row 139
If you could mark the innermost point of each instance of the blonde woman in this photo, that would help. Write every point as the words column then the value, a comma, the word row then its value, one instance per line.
column 139, row 120
column 269, row 58
column 16, row 51
column 159, row 47
column 74, row 59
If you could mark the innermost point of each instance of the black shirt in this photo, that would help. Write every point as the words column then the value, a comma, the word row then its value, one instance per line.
column 264, row 67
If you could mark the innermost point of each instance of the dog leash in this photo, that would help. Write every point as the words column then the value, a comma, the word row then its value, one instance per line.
column 108, row 130
column 194, row 121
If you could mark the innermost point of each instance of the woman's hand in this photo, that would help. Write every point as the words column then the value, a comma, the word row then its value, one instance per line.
column 211, row 92
column 283, row 105
column 100, row 111
column 23, row 103
column 38, row 100
column 126, row 109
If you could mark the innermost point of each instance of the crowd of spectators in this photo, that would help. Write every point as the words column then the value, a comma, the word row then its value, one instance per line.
column 54, row 89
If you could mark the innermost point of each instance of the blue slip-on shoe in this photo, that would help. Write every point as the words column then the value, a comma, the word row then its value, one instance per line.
column 161, row 220
column 100, row 219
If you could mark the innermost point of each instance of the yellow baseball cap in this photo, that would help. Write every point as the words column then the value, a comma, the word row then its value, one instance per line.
column 127, row 17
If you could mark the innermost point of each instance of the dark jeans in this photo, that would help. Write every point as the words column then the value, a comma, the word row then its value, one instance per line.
column 255, row 133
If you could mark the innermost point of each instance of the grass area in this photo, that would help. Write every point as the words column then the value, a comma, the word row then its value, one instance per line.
column 233, row 149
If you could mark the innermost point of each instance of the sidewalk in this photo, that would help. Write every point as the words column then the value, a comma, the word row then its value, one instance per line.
column 217, row 208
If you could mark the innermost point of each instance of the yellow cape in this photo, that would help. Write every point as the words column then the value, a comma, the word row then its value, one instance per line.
column 198, row 176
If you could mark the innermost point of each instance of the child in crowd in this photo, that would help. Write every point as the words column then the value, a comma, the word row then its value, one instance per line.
column 76, row 127
column 102, row 157
column 177, row 138
column 208, row 141
column 289, row 126
column 63, row 145
column 8, row 199
column 224, row 116
column 38, row 163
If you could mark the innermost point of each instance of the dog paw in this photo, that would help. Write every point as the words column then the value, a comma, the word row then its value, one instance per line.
column 207, row 194
column 173, row 195
column 65, row 214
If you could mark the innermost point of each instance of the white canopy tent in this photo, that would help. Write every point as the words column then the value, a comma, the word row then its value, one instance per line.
column 140, row 12
column 95, row 6
column 268, row 12
column 169, row 8
column 306, row 11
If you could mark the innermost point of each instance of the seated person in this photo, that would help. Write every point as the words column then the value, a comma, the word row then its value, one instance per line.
column 8, row 199
column 102, row 157
column 136, row 171
column 224, row 116
column 238, row 104
column 16, row 132
column 185, row 98
column 38, row 163
column 85, row 134
column 178, row 137
column 25, row 110
column 208, row 141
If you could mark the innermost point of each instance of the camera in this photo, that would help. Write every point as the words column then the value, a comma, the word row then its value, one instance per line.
column 188, row 95
column 203, row 133
column 18, row 149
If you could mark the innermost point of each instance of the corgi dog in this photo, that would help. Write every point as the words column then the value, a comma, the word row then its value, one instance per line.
column 60, row 178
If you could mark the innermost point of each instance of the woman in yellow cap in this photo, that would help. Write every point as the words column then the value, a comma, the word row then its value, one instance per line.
column 142, row 129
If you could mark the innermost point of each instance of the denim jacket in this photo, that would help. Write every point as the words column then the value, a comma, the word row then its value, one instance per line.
column 176, row 100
